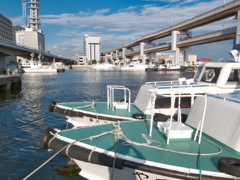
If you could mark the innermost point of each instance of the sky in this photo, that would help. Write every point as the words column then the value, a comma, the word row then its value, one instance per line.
column 66, row 22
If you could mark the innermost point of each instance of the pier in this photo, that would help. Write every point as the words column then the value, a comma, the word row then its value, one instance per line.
column 10, row 82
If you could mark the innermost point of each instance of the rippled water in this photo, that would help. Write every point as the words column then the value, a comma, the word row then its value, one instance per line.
column 24, row 116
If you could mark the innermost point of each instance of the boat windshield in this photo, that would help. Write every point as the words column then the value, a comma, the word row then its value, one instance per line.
column 210, row 74
column 196, row 77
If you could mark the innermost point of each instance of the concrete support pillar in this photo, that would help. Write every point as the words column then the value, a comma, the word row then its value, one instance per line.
column 150, row 59
column 185, row 55
column 111, row 57
column 53, row 62
column 105, row 58
column 174, row 40
column 176, row 55
column 142, row 55
column 236, row 45
column 123, row 56
column 3, row 62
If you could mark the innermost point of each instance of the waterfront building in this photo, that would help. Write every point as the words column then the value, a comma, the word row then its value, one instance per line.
column 169, row 58
column 92, row 48
column 30, row 38
column 80, row 60
column 5, row 29
column 16, row 28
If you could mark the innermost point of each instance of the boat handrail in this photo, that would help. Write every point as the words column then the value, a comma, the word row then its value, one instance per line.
column 192, row 85
column 160, row 82
column 199, row 129
column 110, row 95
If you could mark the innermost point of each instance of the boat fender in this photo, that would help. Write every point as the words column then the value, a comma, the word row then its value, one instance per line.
column 68, row 112
column 45, row 138
column 160, row 117
column 84, row 154
column 183, row 117
column 139, row 116
column 122, row 100
column 51, row 106
column 229, row 166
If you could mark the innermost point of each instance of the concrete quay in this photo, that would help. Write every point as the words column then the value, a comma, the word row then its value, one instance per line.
column 10, row 82
column 80, row 66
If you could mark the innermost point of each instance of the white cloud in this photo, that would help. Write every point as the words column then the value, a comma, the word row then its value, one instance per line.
column 132, row 22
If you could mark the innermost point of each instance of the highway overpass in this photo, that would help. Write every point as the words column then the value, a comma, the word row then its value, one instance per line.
column 11, row 49
column 220, row 13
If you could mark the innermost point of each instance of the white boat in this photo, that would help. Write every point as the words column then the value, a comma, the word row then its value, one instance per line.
column 169, row 67
column 210, row 77
column 135, row 66
column 60, row 66
column 206, row 146
column 35, row 67
column 103, row 66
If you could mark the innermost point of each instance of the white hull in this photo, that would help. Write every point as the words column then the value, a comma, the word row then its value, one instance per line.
column 133, row 68
column 103, row 66
column 30, row 70
column 98, row 172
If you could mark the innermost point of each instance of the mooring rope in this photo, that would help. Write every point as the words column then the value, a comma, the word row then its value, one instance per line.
column 120, row 136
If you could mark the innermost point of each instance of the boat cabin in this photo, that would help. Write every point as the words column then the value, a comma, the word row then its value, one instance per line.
column 210, row 78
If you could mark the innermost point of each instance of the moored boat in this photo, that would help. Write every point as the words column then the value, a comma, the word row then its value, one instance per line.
column 103, row 66
column 210, row 77
column 169, row 68
column 206, row 146
column 135, row 66
column 34, row 67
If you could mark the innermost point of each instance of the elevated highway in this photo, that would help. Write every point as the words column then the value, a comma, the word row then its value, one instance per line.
column 220, row 13
column 10, row 49
column 220, row 35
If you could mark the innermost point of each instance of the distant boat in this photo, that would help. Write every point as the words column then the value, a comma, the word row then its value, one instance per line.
column 31, row 67
column 103, row 66
column 60, row 66
column 169, row 68
column 134, row 66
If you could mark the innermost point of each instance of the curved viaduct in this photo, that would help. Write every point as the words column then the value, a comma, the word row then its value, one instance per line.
column 220, row 13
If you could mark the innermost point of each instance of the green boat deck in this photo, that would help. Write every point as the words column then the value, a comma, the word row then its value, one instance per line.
column 101, row 108
column 187, row 152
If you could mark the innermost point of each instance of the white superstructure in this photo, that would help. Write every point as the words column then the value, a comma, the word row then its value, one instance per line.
column 92, row 48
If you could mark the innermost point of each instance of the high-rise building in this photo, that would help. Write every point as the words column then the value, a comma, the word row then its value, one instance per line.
column 34, row 21
column 24, row 15
column 5, row 29
column 16, row 28
column 32, row 37
column 92, row 48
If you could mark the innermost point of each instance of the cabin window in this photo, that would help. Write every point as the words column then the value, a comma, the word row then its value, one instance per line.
column 234, row 77
column 162, row 102
column 185, row 102
column 196, row 77
column 211, row 75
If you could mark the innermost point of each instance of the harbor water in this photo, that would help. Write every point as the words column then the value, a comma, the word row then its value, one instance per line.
column 24, row 116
